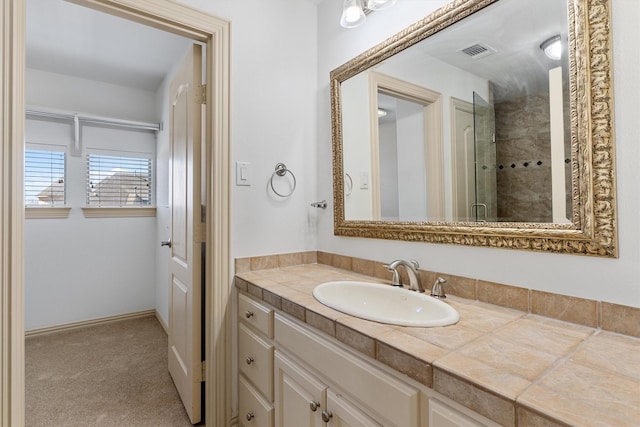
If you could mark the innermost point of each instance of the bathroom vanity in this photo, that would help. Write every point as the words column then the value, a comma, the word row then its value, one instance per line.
column 291, row 375
column 301, row 363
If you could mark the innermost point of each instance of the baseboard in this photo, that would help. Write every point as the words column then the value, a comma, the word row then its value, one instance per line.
column 93, row 322
column 162, row 322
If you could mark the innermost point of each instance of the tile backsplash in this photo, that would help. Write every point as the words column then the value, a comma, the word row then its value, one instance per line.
column 596, row 314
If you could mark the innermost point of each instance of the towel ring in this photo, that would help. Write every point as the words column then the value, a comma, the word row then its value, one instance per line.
column 281, row 170
column 348, row 188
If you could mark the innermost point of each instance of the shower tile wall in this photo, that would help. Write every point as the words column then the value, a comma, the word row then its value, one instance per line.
column 523, row 157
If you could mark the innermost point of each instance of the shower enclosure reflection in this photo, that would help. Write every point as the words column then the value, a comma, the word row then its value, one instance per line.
column 485, row 206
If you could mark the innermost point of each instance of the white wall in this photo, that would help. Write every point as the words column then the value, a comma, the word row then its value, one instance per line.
column 356, row 155
column 613, row 280
column 273, row 119
column 412, row 158
column 388, row 142
column 58, row 91
column 79, row 268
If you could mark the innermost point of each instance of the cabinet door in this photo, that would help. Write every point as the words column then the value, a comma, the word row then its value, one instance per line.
column 341, row 412
column 299, row 396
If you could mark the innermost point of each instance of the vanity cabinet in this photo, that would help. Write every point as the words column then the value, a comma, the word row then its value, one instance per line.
column 292, row 376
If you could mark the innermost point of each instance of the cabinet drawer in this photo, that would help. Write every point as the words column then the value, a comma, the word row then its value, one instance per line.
column 369, row 385
column 256, row 314
column 254, row 410
column 255, row 360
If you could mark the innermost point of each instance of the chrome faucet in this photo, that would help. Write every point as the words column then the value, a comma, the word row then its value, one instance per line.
column 437, row 291
column 412, row 272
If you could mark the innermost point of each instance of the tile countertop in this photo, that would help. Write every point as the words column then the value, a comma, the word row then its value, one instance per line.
column 510, row 366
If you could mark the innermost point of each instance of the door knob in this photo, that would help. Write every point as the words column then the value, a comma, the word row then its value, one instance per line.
column 166, row 243
column 313, row 405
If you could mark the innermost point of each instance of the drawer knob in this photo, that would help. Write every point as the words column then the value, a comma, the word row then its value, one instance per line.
column 326, row 416
column 250, row 416
column 314, row 406
column 248, row 314
column 249, row 360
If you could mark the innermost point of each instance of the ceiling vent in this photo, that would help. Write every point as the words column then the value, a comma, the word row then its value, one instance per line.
column 478, row 50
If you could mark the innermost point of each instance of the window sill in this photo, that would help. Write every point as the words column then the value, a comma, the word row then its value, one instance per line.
column 46, row 212
column 118, row 212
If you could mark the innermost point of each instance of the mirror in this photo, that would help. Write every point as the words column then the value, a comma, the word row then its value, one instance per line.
column 461, row 129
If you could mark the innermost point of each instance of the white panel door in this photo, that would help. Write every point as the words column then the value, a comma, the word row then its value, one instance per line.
column 185, row 270
column 464, row 163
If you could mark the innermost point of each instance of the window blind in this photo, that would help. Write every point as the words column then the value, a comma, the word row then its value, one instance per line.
column 117, row 181
column 44, row 178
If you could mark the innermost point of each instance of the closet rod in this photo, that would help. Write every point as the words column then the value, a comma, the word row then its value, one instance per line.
column 33, row 112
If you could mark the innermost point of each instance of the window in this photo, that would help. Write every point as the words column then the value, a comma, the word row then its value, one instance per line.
column 44, row 177
column 117, row 181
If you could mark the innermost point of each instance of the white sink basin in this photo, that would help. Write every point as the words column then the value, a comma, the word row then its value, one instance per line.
column 385, row 304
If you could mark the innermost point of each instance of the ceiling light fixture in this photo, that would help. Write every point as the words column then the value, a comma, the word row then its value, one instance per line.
column 552, row 47
column 354, row 11
column 352, row 14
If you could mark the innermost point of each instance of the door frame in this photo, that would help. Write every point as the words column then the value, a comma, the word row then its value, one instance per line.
column 164, row 15
column 433, row 141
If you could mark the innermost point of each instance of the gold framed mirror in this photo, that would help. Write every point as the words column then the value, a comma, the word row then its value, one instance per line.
column 493, row 142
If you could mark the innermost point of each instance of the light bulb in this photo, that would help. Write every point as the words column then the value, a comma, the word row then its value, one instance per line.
column 352, row 14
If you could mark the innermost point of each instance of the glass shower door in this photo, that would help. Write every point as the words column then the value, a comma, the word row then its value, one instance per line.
column 485, row 206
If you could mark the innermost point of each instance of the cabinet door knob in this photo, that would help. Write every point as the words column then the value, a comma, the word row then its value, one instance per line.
column 326, row 416
column 250, row 416
column 314, row 405
column 249, row 360
column 248, row 314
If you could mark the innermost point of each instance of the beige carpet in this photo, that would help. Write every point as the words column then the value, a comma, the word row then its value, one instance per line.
column 106, row 375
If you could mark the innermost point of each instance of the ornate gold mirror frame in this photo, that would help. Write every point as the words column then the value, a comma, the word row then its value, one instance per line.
column 593, row 230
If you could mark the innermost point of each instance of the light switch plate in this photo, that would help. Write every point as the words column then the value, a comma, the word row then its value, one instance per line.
column 364, row 180
column 243, row 173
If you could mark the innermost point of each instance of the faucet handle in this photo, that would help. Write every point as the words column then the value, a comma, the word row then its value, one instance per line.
column 395, row 278
column 437, row 291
